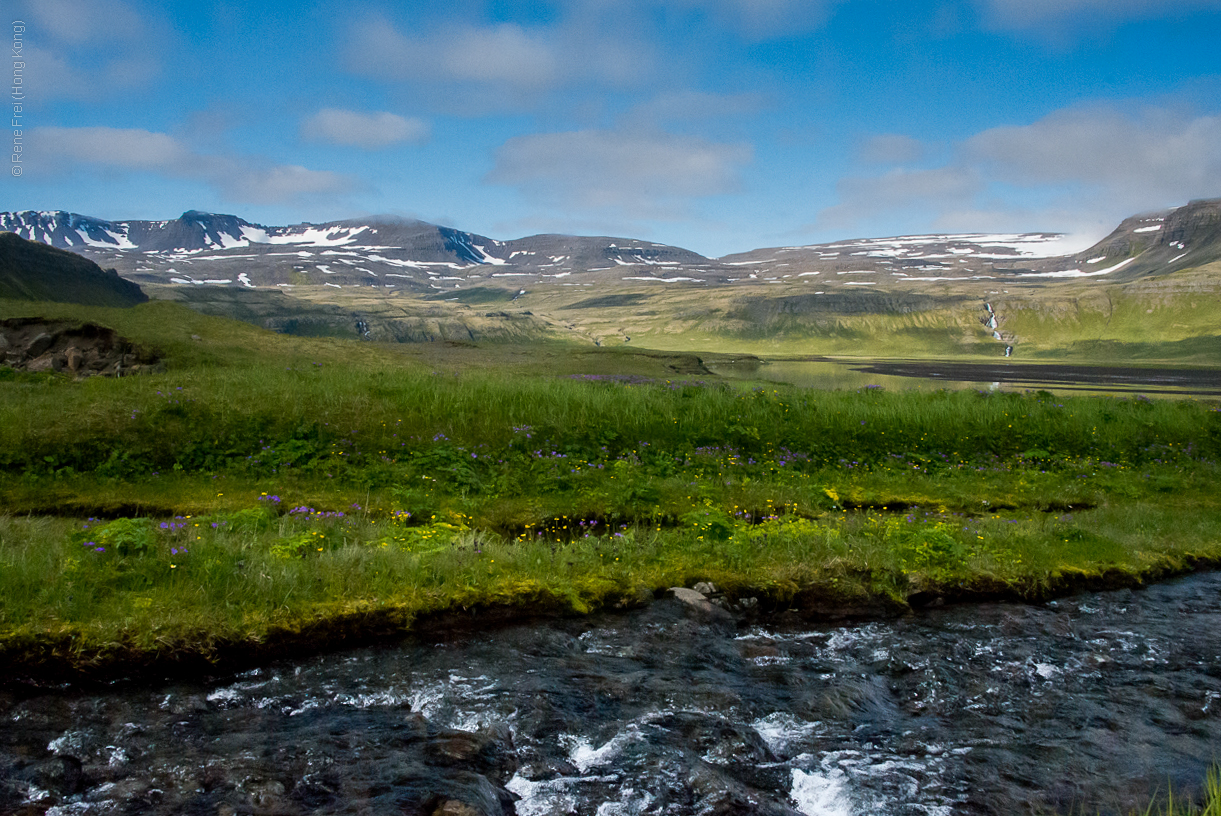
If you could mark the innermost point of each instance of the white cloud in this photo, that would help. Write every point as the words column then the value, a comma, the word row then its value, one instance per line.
column 1152, row 154
column 370, row 131
column 504, row 53
column 891, row 148
column 691, row 106
column 1081, row 167
column 241, row 179
column 762, row 19
column 611, row 169
column 55, row 77
column 1083, row 223
column 79, row 21
column 900, row 189
column 280, row 183
column 514, row 59
column 91, row 48
column 112, row 147
column 1030, row 14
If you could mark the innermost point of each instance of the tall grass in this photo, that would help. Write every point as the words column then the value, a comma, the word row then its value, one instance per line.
column 1210, row 806
column 239, row 396
column 216, row 418
column 1172, row 805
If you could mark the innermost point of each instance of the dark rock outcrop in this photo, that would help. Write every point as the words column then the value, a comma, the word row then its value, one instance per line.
column 84, row 350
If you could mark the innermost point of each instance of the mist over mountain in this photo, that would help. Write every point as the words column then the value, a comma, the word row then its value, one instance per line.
column 1159, row 242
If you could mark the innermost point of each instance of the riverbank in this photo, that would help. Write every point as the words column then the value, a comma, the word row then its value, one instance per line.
column 67, row 658
column 147, row 598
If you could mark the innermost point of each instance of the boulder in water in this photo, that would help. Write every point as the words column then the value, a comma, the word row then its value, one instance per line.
column 488, row 751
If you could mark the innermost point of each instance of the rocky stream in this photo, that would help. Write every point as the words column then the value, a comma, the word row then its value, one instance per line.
column 1086, row 704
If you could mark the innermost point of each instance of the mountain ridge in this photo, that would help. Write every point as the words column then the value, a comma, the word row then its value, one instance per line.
column 403, row 254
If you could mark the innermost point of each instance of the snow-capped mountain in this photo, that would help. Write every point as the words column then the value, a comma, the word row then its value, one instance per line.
column 1152, row 243
column 65, row 230
column 193, row 232
column 391, row 253
column 910, row 258
column 386, row 251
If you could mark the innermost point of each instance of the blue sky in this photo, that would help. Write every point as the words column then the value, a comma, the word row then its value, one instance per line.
column 717, row 125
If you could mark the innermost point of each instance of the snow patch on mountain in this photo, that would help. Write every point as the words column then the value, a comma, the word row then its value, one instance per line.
column 1077, row 273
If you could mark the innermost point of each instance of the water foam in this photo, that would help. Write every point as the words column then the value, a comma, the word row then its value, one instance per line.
column 630, row 803
column 585, row 756
column 820, row 794
column 542, row 798
column 780, row 730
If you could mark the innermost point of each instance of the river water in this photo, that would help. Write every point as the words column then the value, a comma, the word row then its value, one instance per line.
column 1087, row 703
column 847, row 374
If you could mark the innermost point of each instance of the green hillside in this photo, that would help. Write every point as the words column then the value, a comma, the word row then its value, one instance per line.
column 33, row 271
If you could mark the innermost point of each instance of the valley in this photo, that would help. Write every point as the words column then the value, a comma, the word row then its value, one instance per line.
column 265, row 472
column 1147, row 292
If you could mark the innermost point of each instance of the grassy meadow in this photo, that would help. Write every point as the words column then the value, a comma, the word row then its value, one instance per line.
column 271, row 492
